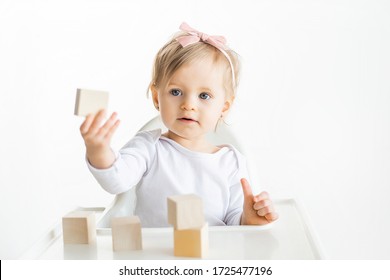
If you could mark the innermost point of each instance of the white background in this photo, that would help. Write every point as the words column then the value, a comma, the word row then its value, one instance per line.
column 312, row 107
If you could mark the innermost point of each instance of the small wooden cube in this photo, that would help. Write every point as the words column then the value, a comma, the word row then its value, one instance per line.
column 191, row 242
column 185, row 211
column 79, row 227
column 90, row 101
column 126, row 233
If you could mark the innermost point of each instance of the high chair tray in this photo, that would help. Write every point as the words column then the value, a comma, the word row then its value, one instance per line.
column 290, row 237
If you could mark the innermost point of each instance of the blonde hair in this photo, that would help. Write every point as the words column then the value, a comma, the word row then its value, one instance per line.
column 172, row 56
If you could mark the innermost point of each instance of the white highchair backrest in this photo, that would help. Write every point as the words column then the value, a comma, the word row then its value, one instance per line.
column 124, row 203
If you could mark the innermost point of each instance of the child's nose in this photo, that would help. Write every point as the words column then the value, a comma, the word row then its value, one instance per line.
column 189, row 103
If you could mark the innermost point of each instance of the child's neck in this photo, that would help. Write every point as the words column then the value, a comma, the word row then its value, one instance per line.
column 199, row 144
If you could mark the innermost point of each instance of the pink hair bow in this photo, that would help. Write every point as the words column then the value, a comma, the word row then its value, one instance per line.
column 193, row 36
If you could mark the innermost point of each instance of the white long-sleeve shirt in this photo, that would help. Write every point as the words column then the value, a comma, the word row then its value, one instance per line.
column 159, row 167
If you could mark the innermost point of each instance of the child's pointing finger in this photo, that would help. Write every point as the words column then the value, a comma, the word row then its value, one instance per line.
column 247, row 190
column 246, row 187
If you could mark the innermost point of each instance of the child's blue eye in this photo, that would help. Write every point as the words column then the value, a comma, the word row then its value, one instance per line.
column 175, row 92
column 204, row 96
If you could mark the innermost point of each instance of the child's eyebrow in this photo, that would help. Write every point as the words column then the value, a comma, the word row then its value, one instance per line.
column 176, row 83
column 205, row 89
column 173, row 84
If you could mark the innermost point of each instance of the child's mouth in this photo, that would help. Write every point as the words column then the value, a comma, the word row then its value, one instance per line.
column 187, row 120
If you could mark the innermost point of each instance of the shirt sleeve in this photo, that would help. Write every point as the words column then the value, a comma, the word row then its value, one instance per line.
column 236, row 199
column 132, row 161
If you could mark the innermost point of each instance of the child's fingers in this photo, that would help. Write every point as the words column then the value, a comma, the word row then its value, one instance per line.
column 261, row 196
column 107, row 125
column 95, row 126
column 86, row 124
column 266, row 210
column 262, row 203
column 248, row 197
column 247, row 191
column 112, row 129
column 271, row 216
column 246, row 188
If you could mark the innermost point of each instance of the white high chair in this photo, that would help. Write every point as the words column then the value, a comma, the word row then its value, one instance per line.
column 295, row 225
column 123, row 204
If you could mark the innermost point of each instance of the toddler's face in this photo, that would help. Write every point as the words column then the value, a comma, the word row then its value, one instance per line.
column 193, row 99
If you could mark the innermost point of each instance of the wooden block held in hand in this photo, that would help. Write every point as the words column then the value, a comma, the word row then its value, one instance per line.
column 191, row 242
column 185, row 211
column 90, row 101
column 126, row 233
column 79, row 227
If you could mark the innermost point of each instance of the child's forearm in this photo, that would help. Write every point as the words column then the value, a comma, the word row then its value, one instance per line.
column 125, row 172
column 101, row 159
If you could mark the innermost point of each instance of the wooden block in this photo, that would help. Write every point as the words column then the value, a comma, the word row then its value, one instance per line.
column 79, row 227
column 126, row 233
column 90, row 101
column 191, row 242
column 185, row 211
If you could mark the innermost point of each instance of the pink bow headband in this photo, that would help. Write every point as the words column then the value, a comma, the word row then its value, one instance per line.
column 193, row 36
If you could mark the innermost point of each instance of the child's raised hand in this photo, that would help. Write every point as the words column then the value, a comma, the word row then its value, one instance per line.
column 97, row 138
column 258, row 209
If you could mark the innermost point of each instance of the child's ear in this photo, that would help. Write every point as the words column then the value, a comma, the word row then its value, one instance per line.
column 227, row 105
column 154, row 91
